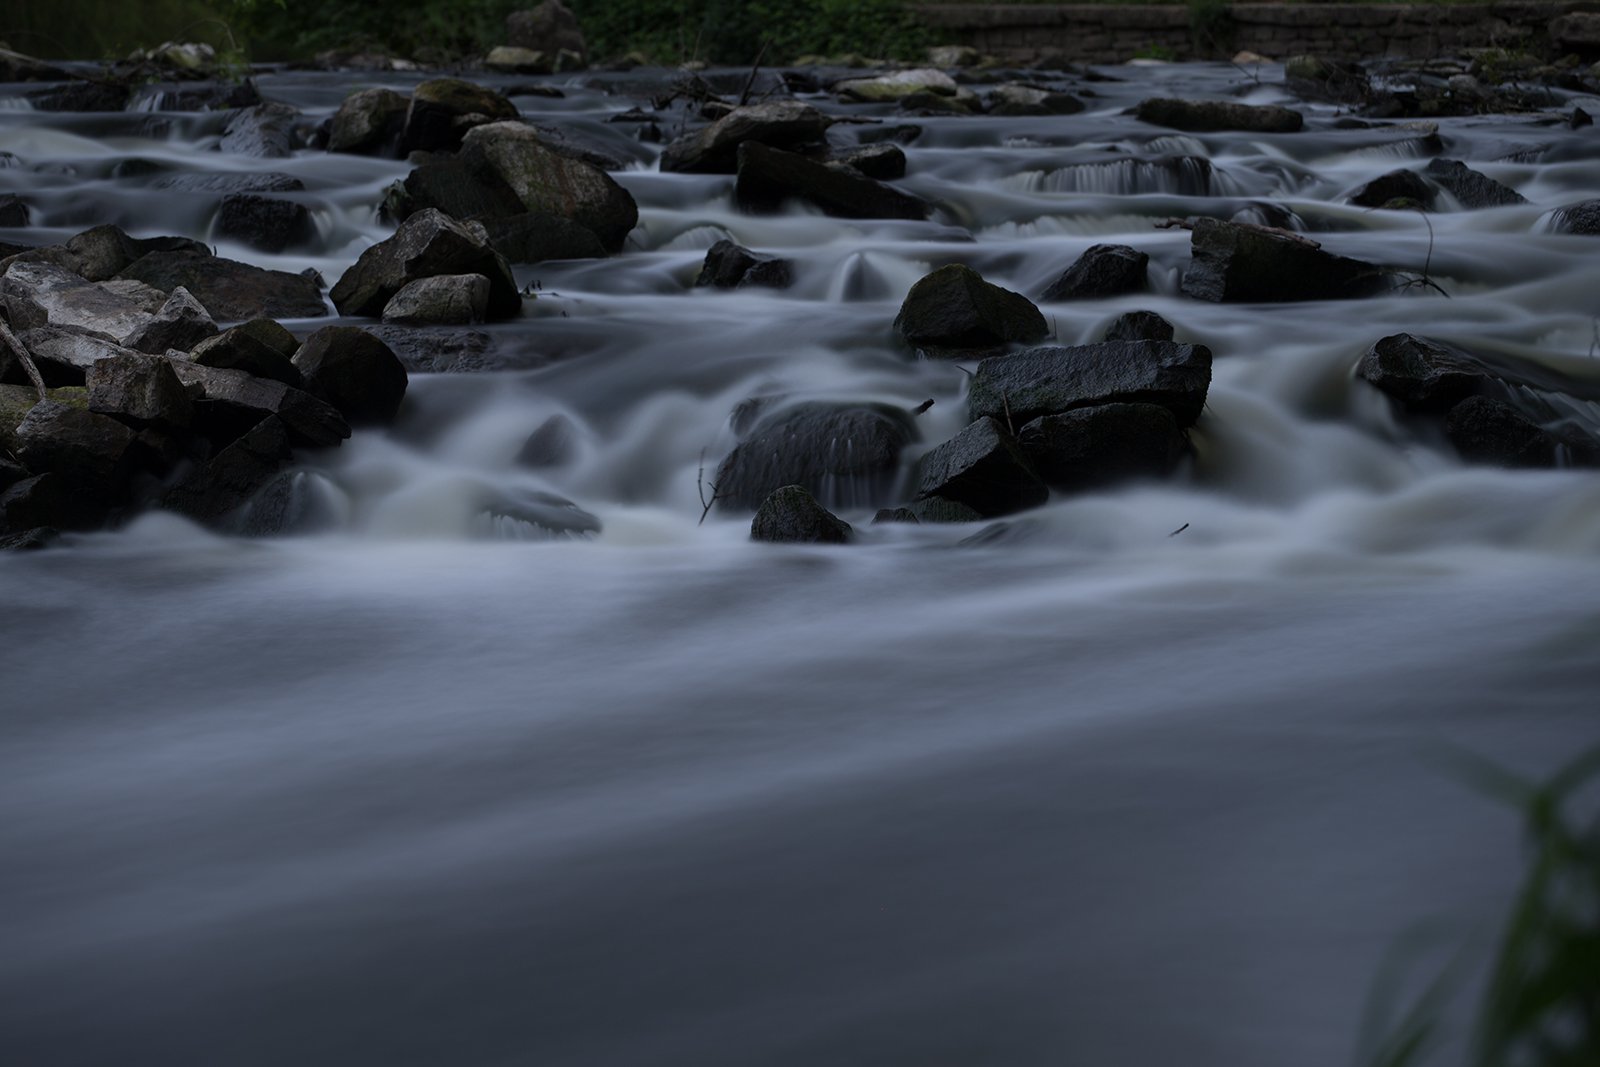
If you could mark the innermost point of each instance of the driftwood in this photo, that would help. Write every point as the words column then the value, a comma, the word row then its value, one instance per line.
column 9, row 340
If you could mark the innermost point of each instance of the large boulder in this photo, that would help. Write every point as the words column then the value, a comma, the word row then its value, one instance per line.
column 885, row 162
column 444, row 299
column 1582, row 217
column 101, row 253
column 442, row 110
column 731, row 266
column 1397, row 185
column 1471, row 189
column 1486, row 430
column 229, row 290
column 1016, row 99
column 179, row 323
column 259, row 347
column 266, row 131
column 535, row 236
column 984, row 468
column 427, row 244
column 715, row 149
column 368, row 122
column 1095, row 446
column 62, row 354
column 89, row 450
column 140, row 390
column 229, row 402
column 848, row 456
column 1207, row 116
column 792, row 515
column 1235, row 262
column 38, row 294
column 953, row 313
column 454, row 187
column 1102, row 271
column 355, row 372
column 550, row 28
column 265, row 223
column 1051, row 380
column 547, row 182
column 891, row 88
column 769, row 177
column 225, row 483
column 1423, row 374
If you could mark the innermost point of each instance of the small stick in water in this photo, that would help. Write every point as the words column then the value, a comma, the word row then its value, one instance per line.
column 700, row 484
column 1179, row 530
column 920, row 408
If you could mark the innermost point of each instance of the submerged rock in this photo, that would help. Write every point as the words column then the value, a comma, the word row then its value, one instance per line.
column 1423, row 374
column 884, row 162
column 984, row 468
column 768, row 177
column 1234, row 262
column 428, row 244
column 732, row 266
column 1471, row 189
column 715, row 149
column 1102, row 271
column 266, row 223
column 1582, row 218
column 1485, row 430
column 265, row 131
column 533, row 237
column 1403, row 184
column 1207, row 116
column 792, row 515
column 1052, row 380
column 953, row 312
column 846, row 455
column 553, row 444
column 225, row 483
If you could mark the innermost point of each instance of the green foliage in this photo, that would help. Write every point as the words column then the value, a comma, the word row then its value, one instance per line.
column 426, row 29
column 109, row 29
column 734, row 31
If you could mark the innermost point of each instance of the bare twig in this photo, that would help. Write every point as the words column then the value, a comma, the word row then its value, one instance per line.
column 749, row 83
column 1179, row 530
column 700, row 484
column 920, row 408
column 9, row 339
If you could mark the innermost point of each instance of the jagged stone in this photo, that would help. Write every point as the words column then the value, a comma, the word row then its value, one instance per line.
column 1100, row 445
column 229, row 290
column 883, row 162
column 791, row 515
column 355, row 372
column 1139, row 326
column 846, row 456
column 732, row 266
column 180, row 323
column 1102, row 271
column 229, row 402
column 265, row 131
column 1402, row 185
column 1233, row 262
column 260, row 347
column 953, row 312
column 715, row 149
column 445, row 299
column 85, row 448
column 768, row 177
column 432, row 122
column 140, row 390
column 225, row 483
column 427, row 244
column 62, row 355
column 368, row 122
column 534, row 237
column 1471, row 189
column 984, row 468
column 1051, row 380
column 549, row 183
column 266, row 223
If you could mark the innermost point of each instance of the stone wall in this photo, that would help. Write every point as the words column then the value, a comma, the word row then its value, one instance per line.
column 1104, row 33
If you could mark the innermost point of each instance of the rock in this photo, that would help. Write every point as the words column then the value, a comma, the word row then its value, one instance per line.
column 791, row 515
column 62, row 354
column 848, row 456
column 1582, row 218
column 1015, row 99
column 1206, row 116
column 428, row 244
column 13, row 212
column 51, row 502
column 1400, row 184
column 891, row 88
column 938, row 104
column 731, row 266
column 550, row 28
column 715, row 149
column 215, row 96
column 1095, row 446
column 265, row 223
column 1471, row 189
column 553, row 444
column 448, row 350
column 1102, row 271
column 1139, row 326
column 1577, row 33
column 507, row 59
column 1052, row 380
column 534, row 237
column 225, row 483
column 80, row 96
column 180, row 323
column 549, row 183
column 355, row 372
column 28, row 540
column 368, row 122
column 268, row 182
column 229, row 290
column 1423, row 374
column 518, row 513
column 260, row 347
column 432, row 122
column 445, row 299
column 768, row 177
column 229, row 402
column 265, row 131
column 16, row 67
column 101, row 253
column 88, row 450
column 938, row 509
column 1579, row 119
column 894, row 515
column 885, row 162
column 984, row 468
column 140, row 390
column 455, row 188
column 953, row 55
column 1234, row 262
column 1485, row 430
column 953, row 313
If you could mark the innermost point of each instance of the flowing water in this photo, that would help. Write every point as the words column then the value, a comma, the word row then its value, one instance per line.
column 416, row 786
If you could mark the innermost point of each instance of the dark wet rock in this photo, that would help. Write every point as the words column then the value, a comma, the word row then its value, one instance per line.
column 81, row 96
column 355, row 372
column 519, row 513
column 432, row 121
column 140, row 390
column 229, row 402
column 549, row 183
column 984, row 468
column 51, row 502
column 102, row 253
column 28, row 540
column 38, row 294
column 715, row 149
column 1233, row 262
column 1139, row 326
column 1205, row 116
column 1100, row 445
column 1403, row 185
column 62, row 354
column 1471, row 189
column 268, row 182
column 1102, row 271
column 228, row 481
column 11, row 472
column 534, row 237
column 180, row 323
column 768, row 177
column 884, row 162
column 13, row 212
column 368, row 122
column 1051, row 380
column 953, row 312
column 1486, row 430
column 553, row 444
column 936, row 509
column 551, row 28
column 229, row 290
column 84, row 448
column 731, row 266
column 440, row 350
column 929, row 103
column 1582, row 218
column 847, row 456
column 17, row 67
column 1423, row 374
column 428, row 244
column 608, row 151
column 211, row 96
column 444, row 299
column 1579, row 119
column 895, row 515
column 265, row 131
column 1016, row 99
column 898, row 133
column 791, row 515
column 260, row 347
column 265, row 223
column 454, row 187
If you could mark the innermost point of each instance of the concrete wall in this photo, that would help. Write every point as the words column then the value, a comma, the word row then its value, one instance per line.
column 1104, row 33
